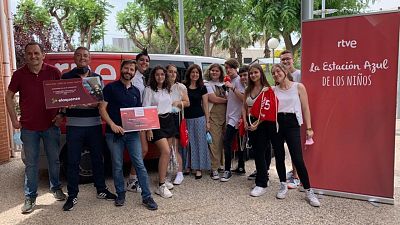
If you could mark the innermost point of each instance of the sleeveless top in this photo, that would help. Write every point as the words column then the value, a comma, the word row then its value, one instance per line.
column 289, row 101
column 250, row 101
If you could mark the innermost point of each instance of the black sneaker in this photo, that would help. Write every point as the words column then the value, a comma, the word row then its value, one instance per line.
column 252, row 176
column 107, row 195
column 226, row 176
column 239, row 171
column 120, row 200
column 69, row 204
column 59, row 194
column 150, row 203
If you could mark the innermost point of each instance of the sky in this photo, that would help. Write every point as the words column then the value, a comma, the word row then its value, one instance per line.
column 119, row 5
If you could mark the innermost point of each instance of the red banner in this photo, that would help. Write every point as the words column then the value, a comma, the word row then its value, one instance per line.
column 72, row 92
column 349, row 67
column 140, row 118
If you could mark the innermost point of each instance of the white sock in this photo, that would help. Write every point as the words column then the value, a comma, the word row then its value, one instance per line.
column 179, row 174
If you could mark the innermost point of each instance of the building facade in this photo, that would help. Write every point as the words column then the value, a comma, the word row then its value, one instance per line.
column 6, row 68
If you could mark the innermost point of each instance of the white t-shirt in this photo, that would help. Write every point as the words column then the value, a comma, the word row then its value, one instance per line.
column 162, row 99
column 234, row 105
column 138, row 82
column 297, row 76
column 176, row 94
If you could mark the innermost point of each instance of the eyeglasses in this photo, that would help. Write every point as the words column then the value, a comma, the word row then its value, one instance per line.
column 286, row 59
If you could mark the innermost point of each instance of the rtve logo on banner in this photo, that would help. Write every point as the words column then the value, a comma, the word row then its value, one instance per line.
column 349, row 73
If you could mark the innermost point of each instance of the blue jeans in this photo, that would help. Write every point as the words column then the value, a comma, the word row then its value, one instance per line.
column 117, row 144
column 77, row 138
column 31, row 143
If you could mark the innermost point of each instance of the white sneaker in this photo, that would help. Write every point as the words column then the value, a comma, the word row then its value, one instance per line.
column 258, row 191
column 169, row 185
column 133, row 186
column 312, row 198
column 215, row 175
column 283, row 189
column 178, row 179
column 163, row 191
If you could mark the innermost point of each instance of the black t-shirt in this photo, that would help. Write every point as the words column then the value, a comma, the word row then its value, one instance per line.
column 195, row 110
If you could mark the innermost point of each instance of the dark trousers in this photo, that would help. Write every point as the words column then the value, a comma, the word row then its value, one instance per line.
column 289, row 131
column 228, row 140
column 77, row 137
column 260, row 139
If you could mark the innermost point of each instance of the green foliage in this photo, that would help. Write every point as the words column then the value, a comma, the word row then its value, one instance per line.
column 85, row 17
column 32, row 22
column 29, row 10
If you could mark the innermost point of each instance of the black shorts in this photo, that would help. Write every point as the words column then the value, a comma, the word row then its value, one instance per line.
column 177, row 122
column 167, row 127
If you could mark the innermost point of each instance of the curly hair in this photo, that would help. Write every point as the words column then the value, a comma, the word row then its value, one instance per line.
column 152, row 79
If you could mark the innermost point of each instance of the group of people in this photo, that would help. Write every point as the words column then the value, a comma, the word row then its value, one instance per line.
column 214, row 104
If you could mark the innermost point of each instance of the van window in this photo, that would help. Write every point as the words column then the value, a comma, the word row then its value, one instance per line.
column 182, row 66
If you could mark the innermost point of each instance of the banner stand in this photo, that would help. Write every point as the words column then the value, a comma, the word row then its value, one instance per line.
column 368, row 198
column 350, row 66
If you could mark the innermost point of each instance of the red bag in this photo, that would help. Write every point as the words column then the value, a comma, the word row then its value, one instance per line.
column 242, row 131
column 183, row 131
column 266, row 106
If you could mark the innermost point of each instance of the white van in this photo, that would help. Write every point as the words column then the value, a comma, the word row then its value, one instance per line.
column 108, row 66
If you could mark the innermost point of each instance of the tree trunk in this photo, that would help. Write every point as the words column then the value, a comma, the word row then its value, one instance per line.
column 207, row 37
column 288, row 41
column 65, row 35
column 267, row 52
column 239, row 55
column 231, row 52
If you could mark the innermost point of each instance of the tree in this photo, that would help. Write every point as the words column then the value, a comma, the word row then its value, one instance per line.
column 33, row 23
column 210, row 18
column 139, row 24
column 240, row 33
column 86, row 17
column 283, row 16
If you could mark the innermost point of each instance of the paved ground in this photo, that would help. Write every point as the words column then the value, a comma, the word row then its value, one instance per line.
column 201, row 201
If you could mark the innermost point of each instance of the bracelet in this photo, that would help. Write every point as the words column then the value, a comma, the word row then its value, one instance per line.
column 309, row 129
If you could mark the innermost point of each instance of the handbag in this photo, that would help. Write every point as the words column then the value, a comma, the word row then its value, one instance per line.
column 183, row 132
column 265, row 108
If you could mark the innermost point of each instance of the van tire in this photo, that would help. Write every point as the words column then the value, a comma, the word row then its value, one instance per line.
column 85, row 165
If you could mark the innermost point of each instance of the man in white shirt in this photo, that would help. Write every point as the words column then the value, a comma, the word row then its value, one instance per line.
column 139, row 81
column 287, row 60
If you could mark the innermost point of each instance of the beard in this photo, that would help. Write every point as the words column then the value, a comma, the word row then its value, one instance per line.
column 127, row 76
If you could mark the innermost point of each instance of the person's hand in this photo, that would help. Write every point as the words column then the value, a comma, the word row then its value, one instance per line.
column 228, row 84
column 253, row 128
column 176, row 104
column 246, row 126
column 57, row 120
column 208, row 125
column 149, row 135
column 309, row 133
column 16, row 124
column 117, row 129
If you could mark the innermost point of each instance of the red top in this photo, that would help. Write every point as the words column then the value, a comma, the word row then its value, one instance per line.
column 34, row 115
